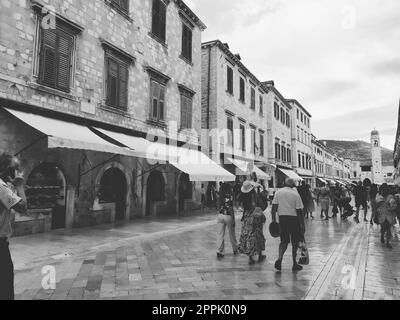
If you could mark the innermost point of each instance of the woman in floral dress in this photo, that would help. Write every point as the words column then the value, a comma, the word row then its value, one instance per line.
column 252, row 240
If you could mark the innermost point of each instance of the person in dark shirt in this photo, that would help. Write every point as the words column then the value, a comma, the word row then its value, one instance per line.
column 361, row 198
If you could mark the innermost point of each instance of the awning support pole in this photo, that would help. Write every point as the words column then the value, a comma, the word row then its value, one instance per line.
column 30, row 145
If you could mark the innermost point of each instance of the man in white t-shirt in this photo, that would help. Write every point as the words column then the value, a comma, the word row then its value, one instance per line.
column 289, row 207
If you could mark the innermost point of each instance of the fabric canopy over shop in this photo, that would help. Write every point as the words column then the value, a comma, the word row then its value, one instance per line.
column 341, row 182
column 151, row 151
column 67, row 135
column 246, row 168
column 291, row 174
column 196, row 164
column 323, row 181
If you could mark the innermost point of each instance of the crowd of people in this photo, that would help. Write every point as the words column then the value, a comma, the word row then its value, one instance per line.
column 293, row 204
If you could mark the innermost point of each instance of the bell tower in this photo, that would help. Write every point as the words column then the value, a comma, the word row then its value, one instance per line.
column 376, row 153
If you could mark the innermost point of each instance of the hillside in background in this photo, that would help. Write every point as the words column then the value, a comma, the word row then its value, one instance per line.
column 357, row 150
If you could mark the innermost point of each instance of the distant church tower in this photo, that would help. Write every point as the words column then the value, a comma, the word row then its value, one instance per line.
column 376, row 152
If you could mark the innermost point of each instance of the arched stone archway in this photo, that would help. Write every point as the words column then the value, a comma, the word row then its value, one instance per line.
column 155, row 191
column 115, row 181
column 46, row 189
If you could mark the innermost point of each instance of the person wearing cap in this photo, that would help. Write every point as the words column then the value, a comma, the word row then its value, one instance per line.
column 289, row 207
column 252, row 239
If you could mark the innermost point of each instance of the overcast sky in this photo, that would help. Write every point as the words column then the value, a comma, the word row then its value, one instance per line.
column 339, row 59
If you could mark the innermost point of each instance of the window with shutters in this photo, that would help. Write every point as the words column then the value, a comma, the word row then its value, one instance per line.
column 242, row 89
column 56, row 57
column 253, row 140
column 121, row 6
column 261, row 104
column 277, row 151
column 253, row 99
column 117, row 77
column 276, row 111
column 262, row 147
column 157, row 112
column 289, row 155
column 283, row 119
column 230, row 130
column 159, row 17
column 186, row 111
column 242, row 137
column 229, row 77
column 187, row 35
column 283, row 153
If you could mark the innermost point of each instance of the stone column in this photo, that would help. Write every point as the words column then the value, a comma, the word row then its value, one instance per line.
column 70, row 207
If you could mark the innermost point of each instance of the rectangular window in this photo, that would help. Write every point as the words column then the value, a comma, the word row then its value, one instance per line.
column 283, row 153
column 242, row 138
column 253, row 140
column 117, row 75
column 229, row 77
column 242, row 91
column 253, row 99
column 288, row 120
column 187, row 42
column 283, row 119
column 157, row 101
column 186, row 111
column 276, row 111
column 159, row 17
column 261, row 104
column 299, row 160
column 277, row 151
column 262, row 144
column 298, row 114
column 230, row 130
column 122, row 5
column 55, row 58
column 289, row 155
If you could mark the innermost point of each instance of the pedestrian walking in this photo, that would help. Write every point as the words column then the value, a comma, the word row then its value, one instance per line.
column 306, row 197
column 289, row 207
column 252, row 239
column 372, row 195
column 360, row 193
column 226, row 219
column 386, row 210
column 337, row 194
column 12, row 197
column 324, row 201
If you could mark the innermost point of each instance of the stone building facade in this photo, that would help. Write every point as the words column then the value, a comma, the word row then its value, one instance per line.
column 234, row 110
column 279, row 135
column 132, row 67
column 301, row 141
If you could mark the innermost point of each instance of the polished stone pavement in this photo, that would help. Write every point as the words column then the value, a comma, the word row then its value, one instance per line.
column 175, row 259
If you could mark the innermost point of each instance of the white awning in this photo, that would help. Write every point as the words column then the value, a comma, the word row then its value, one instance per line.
column 291, row 174
column 246, row 168
column 196, row 164
column 322, row 180
column 152, row 151
column 63, row 134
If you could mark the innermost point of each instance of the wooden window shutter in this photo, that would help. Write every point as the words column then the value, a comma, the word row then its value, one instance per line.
column 189, row 112
column 65, row 46
column 189, row 43
column 183, row 111
column 48, row 60
column 161, row 104
column 155, row 93
column 123, row 86
column 162, row 19
column 155, row 17
column 112, row 83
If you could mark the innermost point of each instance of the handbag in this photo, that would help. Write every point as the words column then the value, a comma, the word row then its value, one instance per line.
column 304, row 255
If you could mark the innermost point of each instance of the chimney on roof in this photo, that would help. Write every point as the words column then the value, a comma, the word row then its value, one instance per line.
column 269, row 83
column 237, row 55
column 226, row 45
column 325, row 143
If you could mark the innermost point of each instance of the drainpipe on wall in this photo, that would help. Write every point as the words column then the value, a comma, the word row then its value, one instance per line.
column 209, row 88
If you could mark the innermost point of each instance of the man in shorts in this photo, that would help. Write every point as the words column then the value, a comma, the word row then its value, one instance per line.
column 289, row 207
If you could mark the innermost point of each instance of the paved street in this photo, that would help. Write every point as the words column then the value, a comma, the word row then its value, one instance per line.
column 175, row 259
